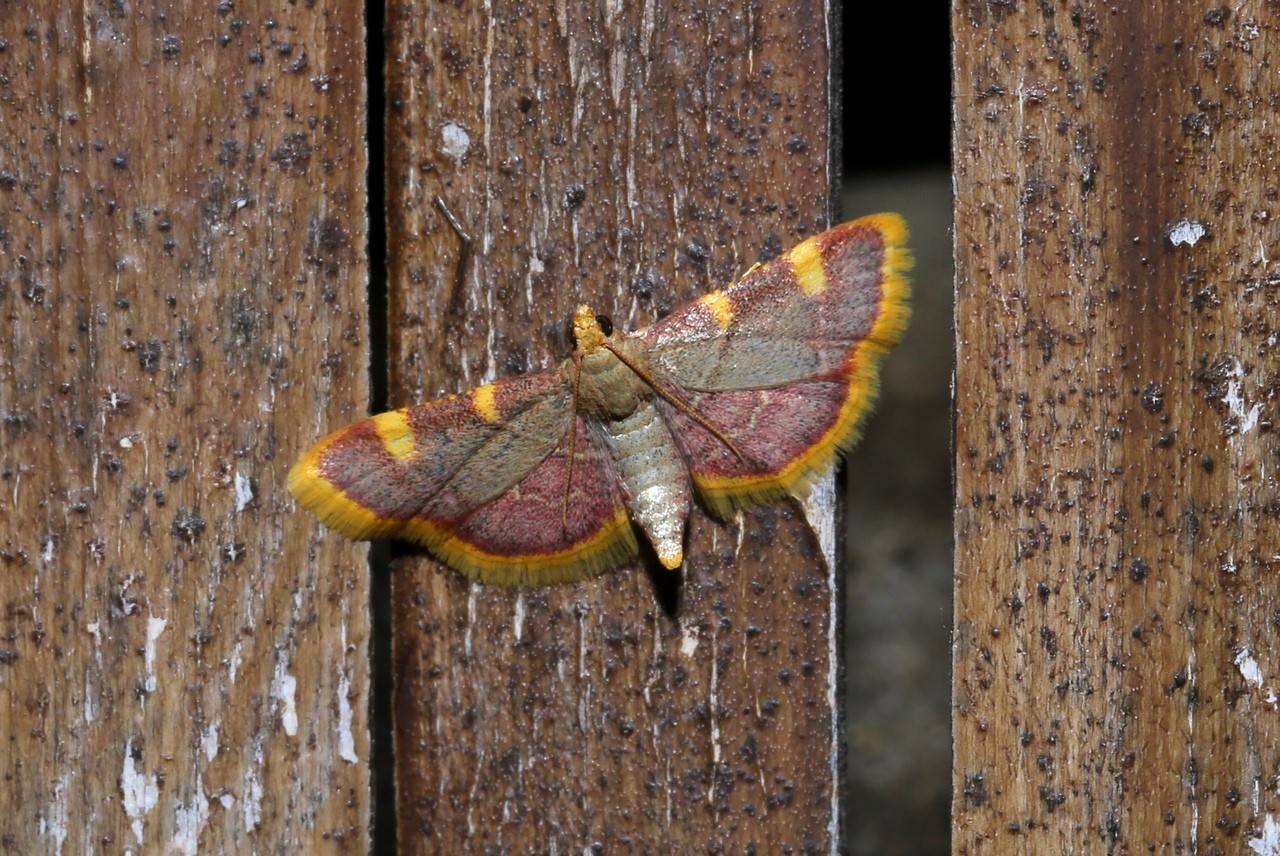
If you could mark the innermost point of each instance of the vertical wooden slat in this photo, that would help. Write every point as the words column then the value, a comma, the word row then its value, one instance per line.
column 1116, row 656
column 182, row 284
column 630, row 156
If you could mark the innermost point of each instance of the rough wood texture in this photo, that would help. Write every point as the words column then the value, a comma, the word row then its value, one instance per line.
column 630, row 157
column 183, row 288
column 1118, row 520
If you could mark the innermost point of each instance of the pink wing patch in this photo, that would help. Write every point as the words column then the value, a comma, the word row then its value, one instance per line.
column 536, row 532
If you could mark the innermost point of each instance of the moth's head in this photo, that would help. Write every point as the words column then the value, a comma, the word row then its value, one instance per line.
column 590, row 330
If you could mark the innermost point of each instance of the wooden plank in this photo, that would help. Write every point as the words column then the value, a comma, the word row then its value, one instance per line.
column 630, row 157
column 1116, row 660
column 182, row 281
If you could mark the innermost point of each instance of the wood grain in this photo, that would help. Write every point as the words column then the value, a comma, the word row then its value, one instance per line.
column 183, row 283
column 630, row 157
column 1116, row 657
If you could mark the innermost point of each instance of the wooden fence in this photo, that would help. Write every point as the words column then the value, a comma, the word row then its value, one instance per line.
column 185, row 245
column 186, row 240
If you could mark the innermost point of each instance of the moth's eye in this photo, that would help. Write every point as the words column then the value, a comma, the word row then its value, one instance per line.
column 606, row 325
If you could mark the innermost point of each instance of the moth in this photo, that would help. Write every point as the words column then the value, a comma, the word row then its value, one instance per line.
column 744, row 396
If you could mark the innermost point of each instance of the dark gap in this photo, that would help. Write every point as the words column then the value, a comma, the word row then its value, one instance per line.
column 835, row 124
column 382, row 836
column 668, row 586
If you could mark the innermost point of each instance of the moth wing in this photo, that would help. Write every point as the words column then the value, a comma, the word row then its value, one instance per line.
column 546, row 529
column 799, row 316
column 479, row 478
column 785, row 362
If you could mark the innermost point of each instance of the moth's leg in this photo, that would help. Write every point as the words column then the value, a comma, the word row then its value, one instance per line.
column 460, row 270
column 573, row 442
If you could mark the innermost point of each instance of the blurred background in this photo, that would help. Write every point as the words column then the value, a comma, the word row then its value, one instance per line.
column 896, row 157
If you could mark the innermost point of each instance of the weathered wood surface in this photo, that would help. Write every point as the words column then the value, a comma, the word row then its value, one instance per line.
column 182, row 284
column 1118, row 521
column 629, row 156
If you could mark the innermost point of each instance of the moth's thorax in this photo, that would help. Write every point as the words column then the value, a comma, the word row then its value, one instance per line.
column 608, row 388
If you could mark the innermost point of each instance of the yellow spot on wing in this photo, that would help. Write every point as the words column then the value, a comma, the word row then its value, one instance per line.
column 721, row 308
column 395, row 433
column 806, row 261
column 486, row 407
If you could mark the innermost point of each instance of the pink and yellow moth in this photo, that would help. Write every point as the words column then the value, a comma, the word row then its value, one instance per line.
column 741, row 397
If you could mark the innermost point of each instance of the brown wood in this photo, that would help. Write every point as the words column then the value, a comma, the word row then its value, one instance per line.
column 1118, row 567
column 182, row 282
column 629, row 156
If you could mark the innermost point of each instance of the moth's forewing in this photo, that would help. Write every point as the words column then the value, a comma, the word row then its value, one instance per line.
column 785, row 361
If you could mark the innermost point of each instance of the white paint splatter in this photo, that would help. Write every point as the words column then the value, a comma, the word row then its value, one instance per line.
column 209, row 741
column 54, row 823
column 1186, row 232
column 90, row 706
column 46, row 551
column 155, row 626
column 472, row 592
column 1267, row 844
column 244, row 491
column 1249, row 668
column 713, row 707
column 233, row 664
column 190, row 819
column 456, row 142
column 1191, row 730
column 283, row 687
column 1234, row 400
column 251, row 810
column 346, row 739
column 128, row 601
column 139, row 791
column 689, row 641
column 1251, row 671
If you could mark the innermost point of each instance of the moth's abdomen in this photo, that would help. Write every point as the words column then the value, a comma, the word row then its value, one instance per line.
column 654, row 476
